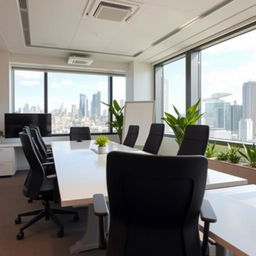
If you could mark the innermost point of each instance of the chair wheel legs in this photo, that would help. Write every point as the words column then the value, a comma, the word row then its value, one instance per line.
column 18, row 220
column 20, row 235
column 60, row 233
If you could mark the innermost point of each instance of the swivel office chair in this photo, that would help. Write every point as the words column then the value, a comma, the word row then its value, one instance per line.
column 169, row 226
column 80, row 133
column 38, row 186
column 154, row 138
column 195, row 140
column 131, row 136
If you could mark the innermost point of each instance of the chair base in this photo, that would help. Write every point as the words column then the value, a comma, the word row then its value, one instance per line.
column 47, row 213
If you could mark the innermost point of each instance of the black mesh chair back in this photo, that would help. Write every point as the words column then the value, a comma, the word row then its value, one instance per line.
column 154, row 139
column 154, row 204
column 36, row 174
column 38, row 142
column 40, row 138
column 80, row 133
column 195, row 140
column 131, row 136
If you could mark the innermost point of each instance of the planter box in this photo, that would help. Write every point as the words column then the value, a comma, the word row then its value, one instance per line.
column 240, row 170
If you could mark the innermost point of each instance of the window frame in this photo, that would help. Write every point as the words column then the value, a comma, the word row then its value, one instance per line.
column 193, row 91
column 45, row 96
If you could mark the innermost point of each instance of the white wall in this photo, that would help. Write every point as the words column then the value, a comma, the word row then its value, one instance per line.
column 4, row 86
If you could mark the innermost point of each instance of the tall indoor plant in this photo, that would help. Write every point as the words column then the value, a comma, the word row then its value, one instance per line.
column 178, row 124
column 117, row 123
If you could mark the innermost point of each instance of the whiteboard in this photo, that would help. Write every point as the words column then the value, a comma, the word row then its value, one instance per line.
column 140, row 113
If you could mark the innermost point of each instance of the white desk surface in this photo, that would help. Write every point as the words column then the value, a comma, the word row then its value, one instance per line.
column 81, row 172
column 235, row 209
column 217, row 179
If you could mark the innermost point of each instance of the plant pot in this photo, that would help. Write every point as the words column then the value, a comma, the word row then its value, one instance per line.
column 102, row 150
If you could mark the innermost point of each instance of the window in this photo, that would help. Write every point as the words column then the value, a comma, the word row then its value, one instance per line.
column 229, row 88
column 171, row 80
column 73, row 99
column 119, row 89
column 29, row 91
column 223, row 76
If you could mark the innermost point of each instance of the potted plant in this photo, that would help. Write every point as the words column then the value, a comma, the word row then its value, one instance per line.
column 117, row 111
column 250, row 154
column 233, row 156
column 210, row 150
column 222, row 156
column 102, row 141
column 178, row 124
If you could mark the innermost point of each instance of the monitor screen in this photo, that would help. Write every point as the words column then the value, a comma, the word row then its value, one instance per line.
column 15, row 122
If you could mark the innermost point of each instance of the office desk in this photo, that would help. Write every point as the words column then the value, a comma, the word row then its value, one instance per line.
column 81, row 173
column 235, row 229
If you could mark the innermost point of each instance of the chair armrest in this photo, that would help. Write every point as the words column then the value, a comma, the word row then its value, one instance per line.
column 100, row 205
column 207, row 213
column 47, row 163
column 208, row 216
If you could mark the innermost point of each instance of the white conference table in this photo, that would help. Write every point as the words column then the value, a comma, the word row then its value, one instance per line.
column 81, row 173
column 235, row 229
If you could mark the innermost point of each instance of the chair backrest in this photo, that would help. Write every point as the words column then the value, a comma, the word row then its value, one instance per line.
column 154, row 204
column 38, row 142
column 131, row 136
column 40, row 136
column 36, row 174
column 195, row 140
column 154, row 138
column 80, row 133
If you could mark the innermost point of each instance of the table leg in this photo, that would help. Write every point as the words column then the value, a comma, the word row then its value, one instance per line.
column 90, row 239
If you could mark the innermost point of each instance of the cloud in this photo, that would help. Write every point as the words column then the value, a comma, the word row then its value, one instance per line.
column 29, row 74
column 61, row 84
column 29, row 83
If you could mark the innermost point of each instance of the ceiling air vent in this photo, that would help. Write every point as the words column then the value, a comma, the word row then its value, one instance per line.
column 79, row 60
column 112, row 10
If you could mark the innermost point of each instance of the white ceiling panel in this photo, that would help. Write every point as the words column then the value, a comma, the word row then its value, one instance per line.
column 54, row 22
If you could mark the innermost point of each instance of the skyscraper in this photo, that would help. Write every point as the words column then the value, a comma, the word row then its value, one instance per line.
column 82, row 105
column 236, row 116
column 249, row 103
column 96, row 106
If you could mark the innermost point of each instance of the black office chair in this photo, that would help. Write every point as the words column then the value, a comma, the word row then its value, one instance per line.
column 195, row 140
column 154, row 138
column 154, row 204
column 131, row 136
column 80, row 133
column 47, row 148
column 38, row 186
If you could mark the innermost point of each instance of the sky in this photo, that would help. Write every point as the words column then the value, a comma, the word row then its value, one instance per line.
column 62, row 88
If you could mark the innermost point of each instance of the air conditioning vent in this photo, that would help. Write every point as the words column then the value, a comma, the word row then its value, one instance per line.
column 79, row 60
column 112, row 10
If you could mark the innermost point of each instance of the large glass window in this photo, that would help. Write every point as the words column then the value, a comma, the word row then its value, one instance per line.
column 28, row 91
column 229, row 88
column 73, row 99
column 174, row 88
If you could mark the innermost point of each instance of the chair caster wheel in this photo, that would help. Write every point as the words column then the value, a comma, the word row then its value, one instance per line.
column 18, row 220
column 60, row 233
column 20, row 235
column 30, row 201
column 76, row 218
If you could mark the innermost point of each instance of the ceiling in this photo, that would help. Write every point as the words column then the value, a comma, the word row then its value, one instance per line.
column 158, row 29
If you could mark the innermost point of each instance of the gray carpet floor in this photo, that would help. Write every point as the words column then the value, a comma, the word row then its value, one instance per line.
column 40, row 239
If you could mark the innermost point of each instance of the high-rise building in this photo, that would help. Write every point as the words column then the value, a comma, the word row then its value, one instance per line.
column 245, row 130
column 26, row 108
column 249, row 103
column 82, row 105
column 236, row 116
column 96, row 106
